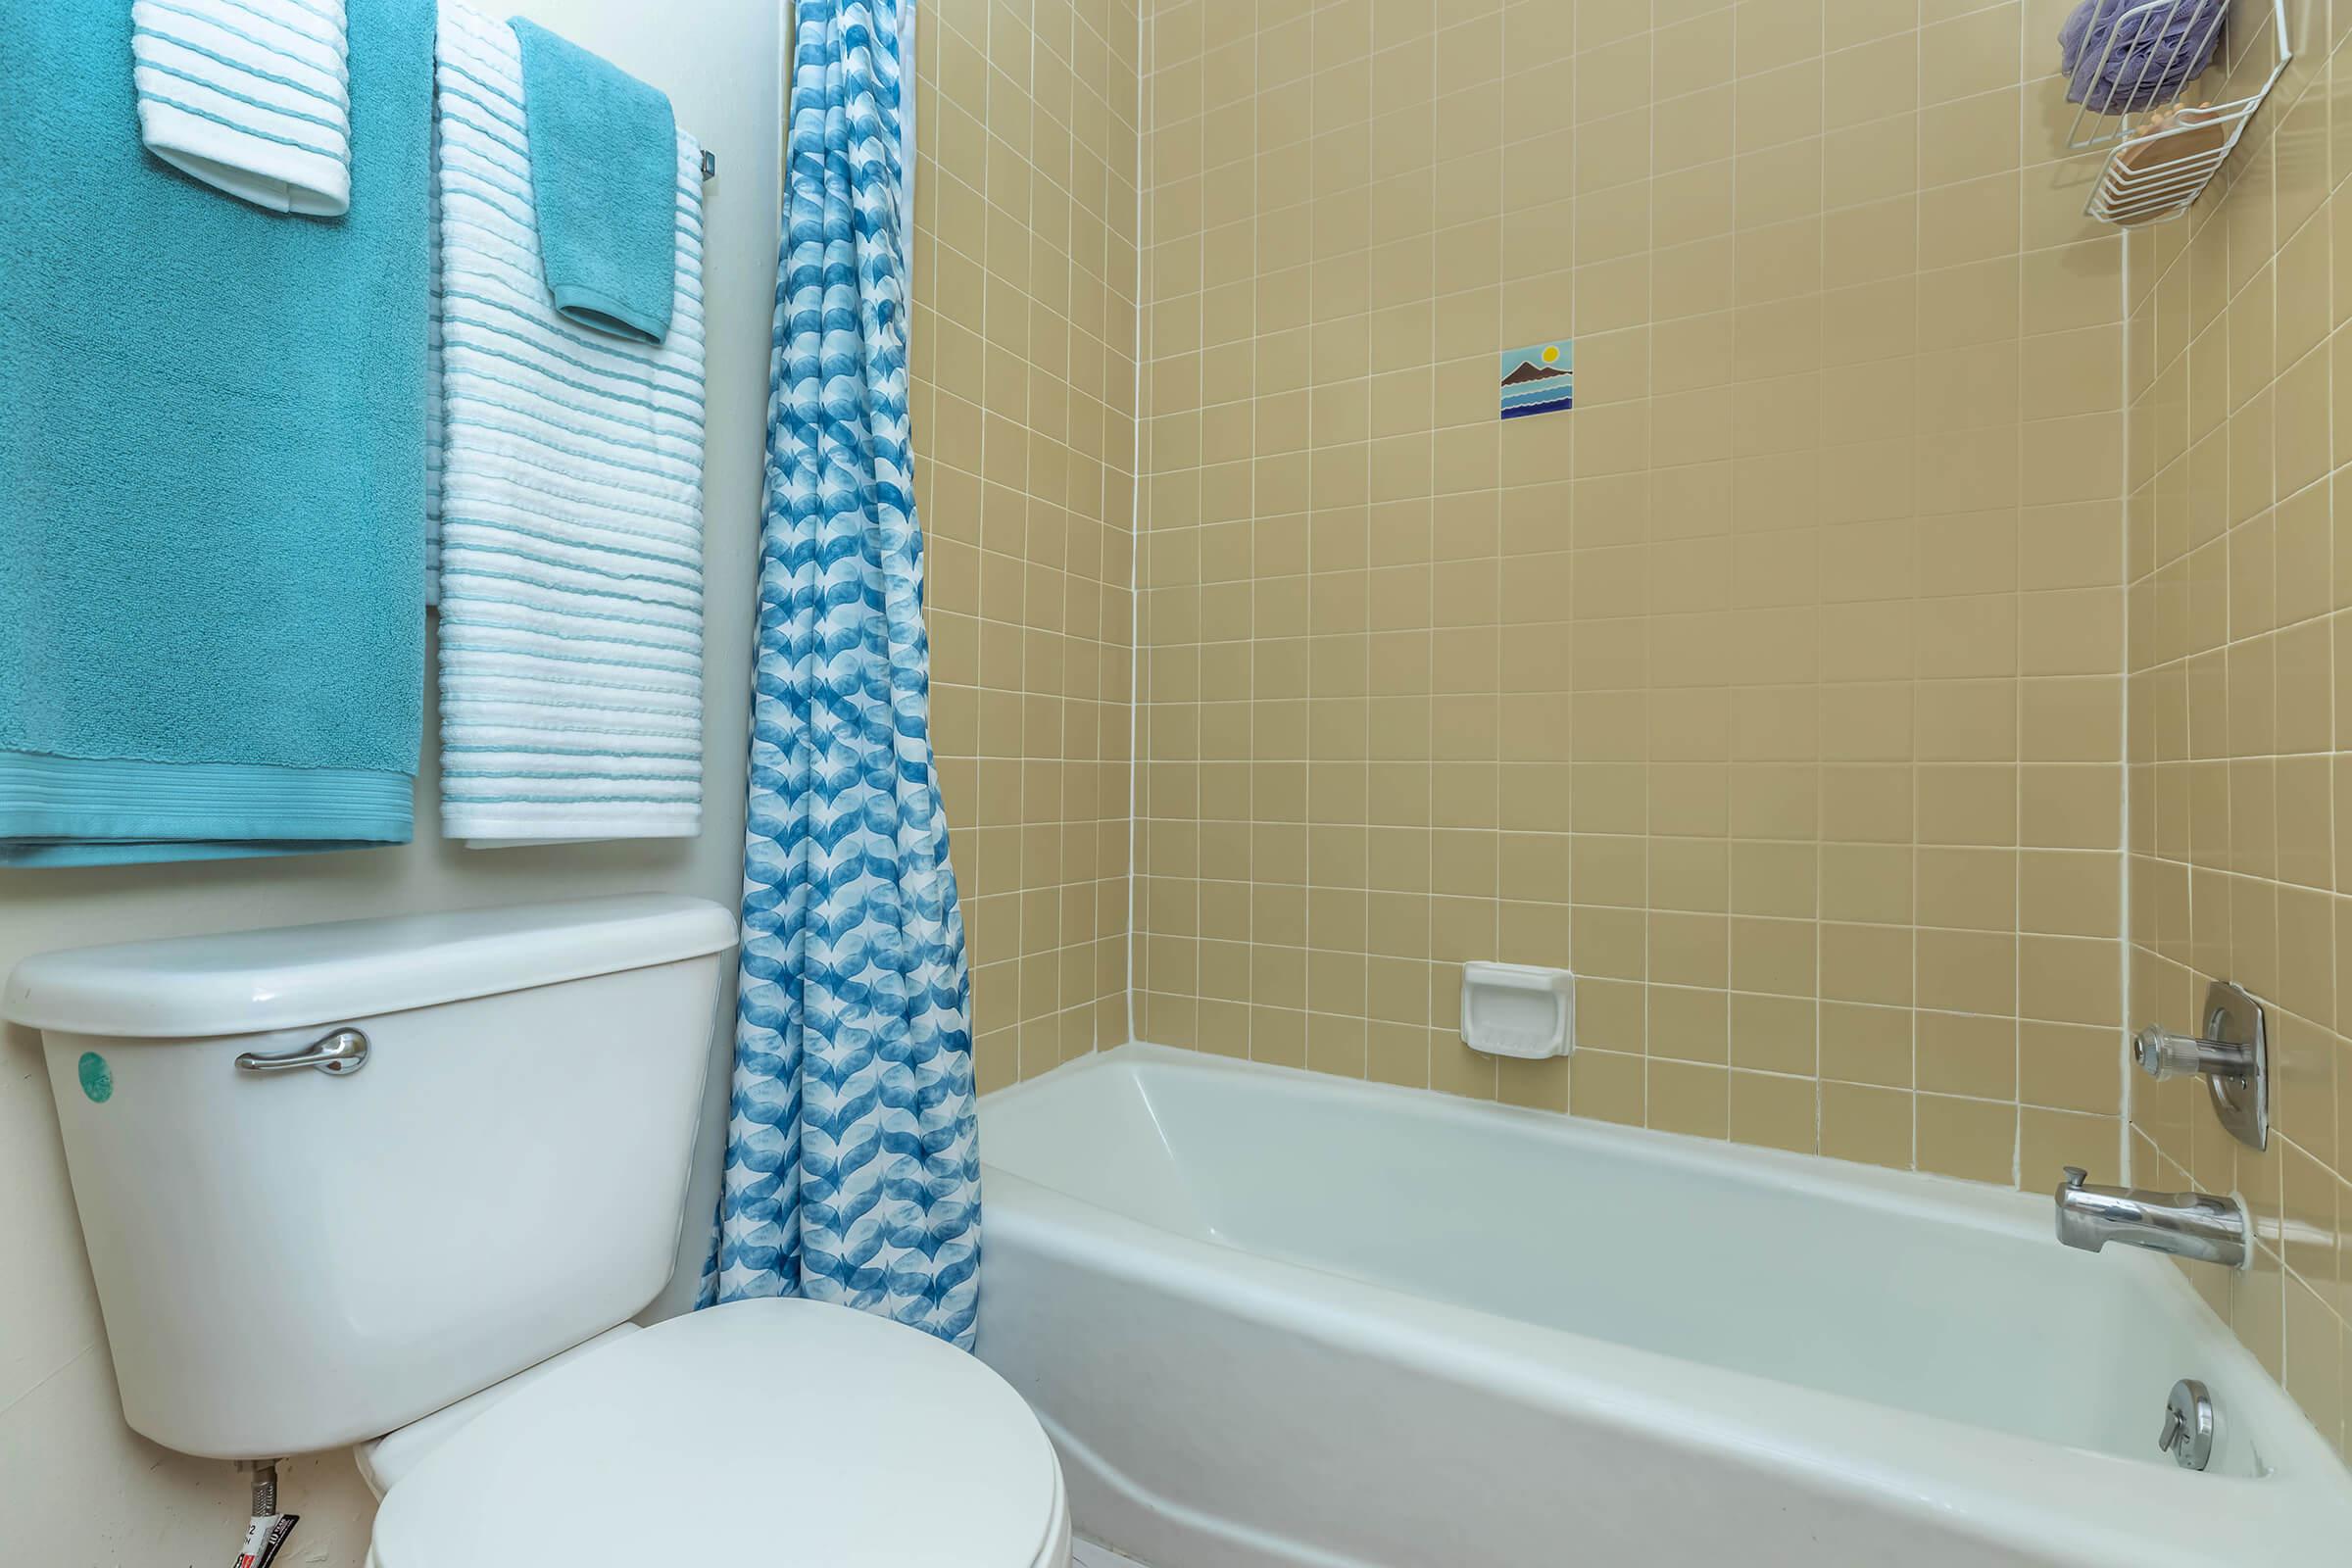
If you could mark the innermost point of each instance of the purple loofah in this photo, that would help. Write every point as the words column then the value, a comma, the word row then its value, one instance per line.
column 2159, row 47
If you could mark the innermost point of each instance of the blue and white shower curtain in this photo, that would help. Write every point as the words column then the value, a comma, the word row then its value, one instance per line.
column 853, row 1166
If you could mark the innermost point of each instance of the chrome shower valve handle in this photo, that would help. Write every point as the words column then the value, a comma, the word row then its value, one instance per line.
column 2233, row 1054
column 2163, row 1054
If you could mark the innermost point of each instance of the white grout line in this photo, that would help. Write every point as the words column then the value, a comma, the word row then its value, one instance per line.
column 2123, row 954
column 1146, row 28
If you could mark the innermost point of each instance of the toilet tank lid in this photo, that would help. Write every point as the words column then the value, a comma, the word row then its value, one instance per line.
column 248, row 982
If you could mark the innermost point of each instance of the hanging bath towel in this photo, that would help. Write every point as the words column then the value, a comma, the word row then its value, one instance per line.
column 250, row 96
column 209, row 637
column 569, row 526
column 853, row 1165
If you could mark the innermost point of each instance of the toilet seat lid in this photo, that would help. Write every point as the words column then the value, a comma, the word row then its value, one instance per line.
column 771, row 1432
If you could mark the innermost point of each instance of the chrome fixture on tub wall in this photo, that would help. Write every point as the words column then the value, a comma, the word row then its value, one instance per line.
column 2193, row 1225
column 2232, row 1055
column 2189, row 1425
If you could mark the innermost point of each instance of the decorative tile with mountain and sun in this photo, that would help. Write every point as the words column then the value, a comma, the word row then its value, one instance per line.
column 1538, row 379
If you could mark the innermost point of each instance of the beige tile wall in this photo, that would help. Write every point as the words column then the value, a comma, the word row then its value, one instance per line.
column 1024, row 418
column 1777, row 689
column 2241, row 579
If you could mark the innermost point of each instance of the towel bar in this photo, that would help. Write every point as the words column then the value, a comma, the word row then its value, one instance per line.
column 710, row 164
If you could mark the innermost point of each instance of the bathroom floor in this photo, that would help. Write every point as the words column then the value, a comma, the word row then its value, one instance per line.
column 1086, row 1554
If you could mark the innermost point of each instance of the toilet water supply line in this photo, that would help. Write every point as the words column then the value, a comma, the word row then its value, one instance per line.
column 265, row 1534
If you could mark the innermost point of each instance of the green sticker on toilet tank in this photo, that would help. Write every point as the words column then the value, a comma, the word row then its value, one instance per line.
column 97, row 1078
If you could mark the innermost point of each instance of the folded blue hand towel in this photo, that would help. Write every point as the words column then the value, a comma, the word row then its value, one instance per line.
column 604, row 151
column 212, row 458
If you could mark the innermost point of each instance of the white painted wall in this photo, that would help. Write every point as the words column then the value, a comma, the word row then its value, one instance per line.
column 77, row 1487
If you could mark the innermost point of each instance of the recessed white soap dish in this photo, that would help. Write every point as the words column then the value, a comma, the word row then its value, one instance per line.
column 1516, row 1009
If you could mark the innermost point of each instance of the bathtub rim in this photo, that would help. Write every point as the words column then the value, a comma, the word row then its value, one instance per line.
column 1952, row 1199
column 2001, row 1487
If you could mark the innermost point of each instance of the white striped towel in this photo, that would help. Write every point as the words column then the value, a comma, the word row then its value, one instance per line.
column 251, row 96
column 570, row 506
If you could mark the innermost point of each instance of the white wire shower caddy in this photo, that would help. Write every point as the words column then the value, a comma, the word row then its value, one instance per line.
column 2161, row 156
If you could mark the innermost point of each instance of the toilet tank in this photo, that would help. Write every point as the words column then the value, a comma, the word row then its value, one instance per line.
column 300, row 1259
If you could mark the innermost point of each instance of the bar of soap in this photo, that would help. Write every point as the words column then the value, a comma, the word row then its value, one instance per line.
column 2171, row 136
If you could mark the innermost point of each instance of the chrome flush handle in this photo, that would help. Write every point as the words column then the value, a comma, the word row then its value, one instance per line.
column 342, row 1054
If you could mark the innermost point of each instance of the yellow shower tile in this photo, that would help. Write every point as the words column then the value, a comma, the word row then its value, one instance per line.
column 1973, row 54
column 1968, row 1053
column 1972, row 888
column 1689, row 1098
column 1775, row 1034
column 1866, row 1124
column 1973, row 221
column 1970, row 138
column 1872, row 81
column 1973, row 1139
column 1609, row 1086
column 2050, row 1140
column 1687, row 1024
column 1774, row 1111
column 1689, row 55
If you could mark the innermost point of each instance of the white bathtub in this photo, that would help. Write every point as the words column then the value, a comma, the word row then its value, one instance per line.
column 1278, row 1319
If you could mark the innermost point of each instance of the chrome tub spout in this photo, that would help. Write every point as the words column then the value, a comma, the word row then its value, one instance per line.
column 2198, row 1225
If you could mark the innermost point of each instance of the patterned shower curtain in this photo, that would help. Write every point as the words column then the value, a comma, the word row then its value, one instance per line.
column 853, row 1167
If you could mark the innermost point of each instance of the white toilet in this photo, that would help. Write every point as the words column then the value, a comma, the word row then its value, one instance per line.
column 402, row 1183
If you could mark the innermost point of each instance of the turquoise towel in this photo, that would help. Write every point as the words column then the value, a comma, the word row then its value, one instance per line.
column 604, row 151
column 212, row 454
